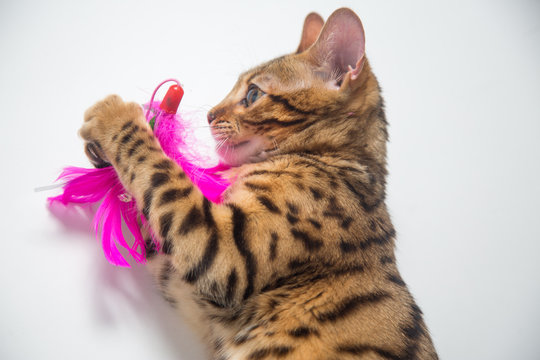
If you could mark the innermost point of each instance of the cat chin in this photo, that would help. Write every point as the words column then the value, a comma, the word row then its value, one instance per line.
column 248, row 151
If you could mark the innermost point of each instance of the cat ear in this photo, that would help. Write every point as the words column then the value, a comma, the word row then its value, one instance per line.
column 312, row 28
column 340, row 47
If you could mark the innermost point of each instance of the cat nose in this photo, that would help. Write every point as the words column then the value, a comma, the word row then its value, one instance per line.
column 211, row 117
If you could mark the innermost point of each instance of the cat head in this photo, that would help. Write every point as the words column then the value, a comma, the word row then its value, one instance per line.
column 310, row 101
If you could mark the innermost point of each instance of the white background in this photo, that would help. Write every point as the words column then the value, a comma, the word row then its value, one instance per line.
column 462, row 86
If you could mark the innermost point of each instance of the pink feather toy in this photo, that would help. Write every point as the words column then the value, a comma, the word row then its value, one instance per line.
column 89, row 186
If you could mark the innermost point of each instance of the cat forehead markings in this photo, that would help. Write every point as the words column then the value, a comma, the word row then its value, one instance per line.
column 281, row 74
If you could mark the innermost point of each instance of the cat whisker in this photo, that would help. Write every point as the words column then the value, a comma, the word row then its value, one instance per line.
column 220, row 144
column 227, row 148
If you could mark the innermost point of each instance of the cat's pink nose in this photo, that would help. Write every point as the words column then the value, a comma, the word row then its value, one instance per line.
column 211, row 117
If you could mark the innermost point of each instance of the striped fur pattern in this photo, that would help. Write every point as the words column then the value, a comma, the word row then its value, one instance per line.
column 298, row 261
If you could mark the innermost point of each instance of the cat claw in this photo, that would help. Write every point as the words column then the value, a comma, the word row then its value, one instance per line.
column 95, row 155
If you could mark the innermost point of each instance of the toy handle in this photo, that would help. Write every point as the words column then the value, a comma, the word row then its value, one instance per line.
column 172, row 99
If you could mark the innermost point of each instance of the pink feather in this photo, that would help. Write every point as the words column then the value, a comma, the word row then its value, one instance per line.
column 83, row 186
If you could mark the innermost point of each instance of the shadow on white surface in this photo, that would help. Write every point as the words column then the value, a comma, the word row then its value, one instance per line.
column 75, row 219
column 119, row 292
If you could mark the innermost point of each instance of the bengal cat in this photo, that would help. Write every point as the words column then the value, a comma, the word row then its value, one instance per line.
column 298, row 261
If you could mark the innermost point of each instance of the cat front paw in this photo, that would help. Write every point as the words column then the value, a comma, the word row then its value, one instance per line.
column 103, row 123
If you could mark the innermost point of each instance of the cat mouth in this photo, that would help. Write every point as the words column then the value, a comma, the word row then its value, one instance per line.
column 238, row 145
column 238, row 153
column 233, row 146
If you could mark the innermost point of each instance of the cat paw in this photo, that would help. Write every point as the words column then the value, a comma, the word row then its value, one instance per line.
column 103, row 122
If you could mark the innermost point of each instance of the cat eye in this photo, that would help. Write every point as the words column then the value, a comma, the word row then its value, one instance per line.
column 253, row 93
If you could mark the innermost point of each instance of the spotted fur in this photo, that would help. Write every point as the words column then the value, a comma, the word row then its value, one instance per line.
column 298, row 261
